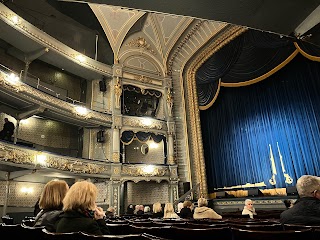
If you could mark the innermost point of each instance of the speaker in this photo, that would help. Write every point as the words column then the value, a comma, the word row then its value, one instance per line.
column 255, row 193
column 223, row 195
column 186, row 187
column 100, row 136
column 291, row 191
column 103, row 85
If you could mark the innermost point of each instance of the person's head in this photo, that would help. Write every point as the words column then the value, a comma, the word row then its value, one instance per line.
column 53, row 194
column 168, row 208
column 248, row 203
column 187, row 204
column 202, row 202
column 157, row 207
column 6, row 120
column 308, row 186
column 81, row 195
column 146, row 209
column 111, row 211
column 287, row 203
column 180, row 206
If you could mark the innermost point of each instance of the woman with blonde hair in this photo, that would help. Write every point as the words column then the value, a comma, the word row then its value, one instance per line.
column 157, row 210
column 81, row 212
column 50, row 204
column 248, row 208
column 202, row 211
column 169, row 211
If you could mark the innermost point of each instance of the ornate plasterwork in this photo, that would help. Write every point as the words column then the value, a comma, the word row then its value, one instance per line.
column 75, row 166
column 137, row 171
column 47, row 101
column 140, row 42
column 16, row 155
column 116, row 157
column 135, row 122
column 142, row 79
column 192, row 107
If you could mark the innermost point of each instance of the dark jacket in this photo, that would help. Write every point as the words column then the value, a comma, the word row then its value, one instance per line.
column 305, row 211
column 74, row 221
column 157, row 215
column 186, row 213
column 48, row 219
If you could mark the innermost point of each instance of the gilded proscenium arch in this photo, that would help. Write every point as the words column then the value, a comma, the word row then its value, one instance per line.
column 192, row 107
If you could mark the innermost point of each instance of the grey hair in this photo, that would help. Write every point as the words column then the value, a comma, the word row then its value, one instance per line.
column 202, row 202
column 307, row 184
column 247, row 201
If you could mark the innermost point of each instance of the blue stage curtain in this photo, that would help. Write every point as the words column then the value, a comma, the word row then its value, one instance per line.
column 283, row 109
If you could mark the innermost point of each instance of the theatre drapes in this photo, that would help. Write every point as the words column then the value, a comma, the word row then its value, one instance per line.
column 255, row 128
column 128, row 136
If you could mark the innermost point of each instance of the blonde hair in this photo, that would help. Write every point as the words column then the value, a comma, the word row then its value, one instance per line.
column 168, row 208
column 187, row 203
column 202, row 202
column 307, row 184
column 247, row 201
column 156, row 207
column 81, row 195
column 52, row 194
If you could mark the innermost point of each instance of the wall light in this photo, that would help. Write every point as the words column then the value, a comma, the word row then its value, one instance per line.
column 15, row 19
column 147, row 121
column 148, row 169
column 12, row 78
column 81, row 58
column 41, row 159
column 27, row 190
column 81, row 110
column 153, row 145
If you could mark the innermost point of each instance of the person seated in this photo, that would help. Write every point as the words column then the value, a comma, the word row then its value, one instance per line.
column 186, row 211
column 130, row 210
column 169, row 211
column 288, row 203
column 306, row 210
column 140, row 210
column 147, row 210
column 248, row 208
column 110, row 213
column 202, row 211
column 50, row 204
column 7, row 131
column 157, row 210
column 180, row 206
column 80, row 212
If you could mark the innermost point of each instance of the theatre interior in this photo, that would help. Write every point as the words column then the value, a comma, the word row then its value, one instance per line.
column 159, row 102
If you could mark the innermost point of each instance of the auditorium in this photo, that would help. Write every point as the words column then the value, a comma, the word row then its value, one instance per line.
column 213, row 104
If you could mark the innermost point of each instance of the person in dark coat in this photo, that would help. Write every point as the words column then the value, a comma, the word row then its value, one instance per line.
column 306, row 210
column 50, row 204
column 80, row 212
column 157, row 210
column 186, row 211
column 7, row 131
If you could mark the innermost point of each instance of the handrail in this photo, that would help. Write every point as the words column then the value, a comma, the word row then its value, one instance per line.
column 183, row 197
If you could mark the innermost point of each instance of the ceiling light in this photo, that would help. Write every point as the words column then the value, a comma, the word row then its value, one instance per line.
column 148, row 169
column 27, row 190
column 12, row 78
column 147, row 121
column 41, row 159
column 153, row 145
column 15, row 19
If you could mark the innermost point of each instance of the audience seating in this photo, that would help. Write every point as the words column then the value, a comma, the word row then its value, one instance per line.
column 30, row 232
column 85, row 236
column 242, row 234
column 162, row 231
column 203, row 233
column 118, row 228
column 7, row 220
column 15, row 231
column 61, row 236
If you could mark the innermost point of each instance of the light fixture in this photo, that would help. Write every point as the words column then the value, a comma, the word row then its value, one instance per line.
column 27, row 190
column 149, row 169
column 15, row 19
column 81, row 110
column 147, row 121
column 81, row 58
column 41, row 159
column 153, row 145
column 12, row 78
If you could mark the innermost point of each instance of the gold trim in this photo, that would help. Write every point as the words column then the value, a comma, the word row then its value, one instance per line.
column 196, row 148
column 264, row 76
column 214, row 98
column 307, row 55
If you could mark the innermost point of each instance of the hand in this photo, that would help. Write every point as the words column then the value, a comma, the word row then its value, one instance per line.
column 99, row 213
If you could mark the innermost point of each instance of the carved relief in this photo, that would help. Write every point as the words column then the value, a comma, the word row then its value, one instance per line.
column 140, row 171
column 140, row 42
column 169, row 102
column 142, row 78
column 117, row 92
column 139, row 123
column 116, row 157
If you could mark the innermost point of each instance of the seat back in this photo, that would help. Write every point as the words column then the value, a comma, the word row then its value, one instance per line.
column 200, row 233
column 162, row 231
column 30, row 232
column 118, row 229
column 61, row 236
column 240, row 234
column 85, row 236
column 15, row 231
